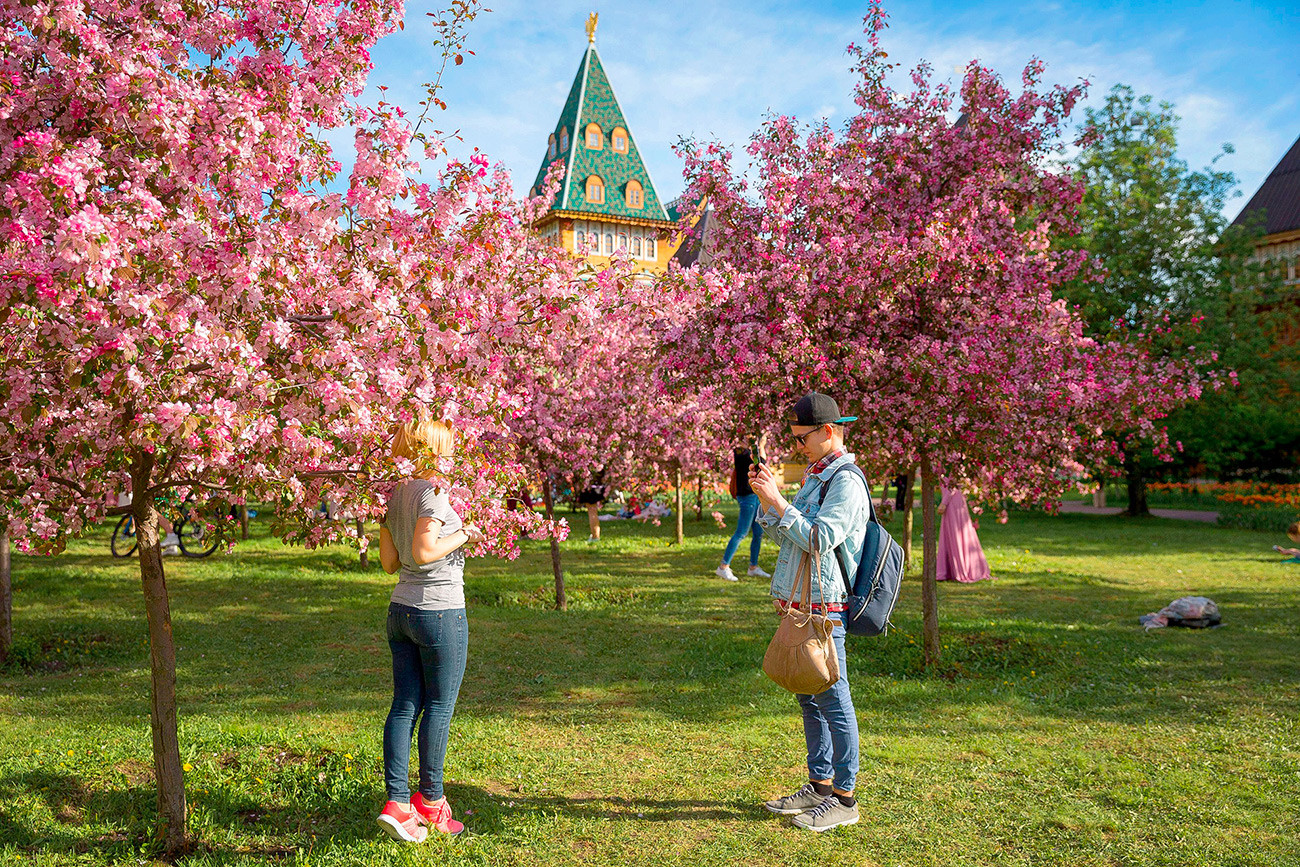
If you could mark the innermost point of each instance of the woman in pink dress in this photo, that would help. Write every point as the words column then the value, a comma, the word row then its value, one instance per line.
column 960, row 556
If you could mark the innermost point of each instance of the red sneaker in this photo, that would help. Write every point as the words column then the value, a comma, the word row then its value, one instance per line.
column 436, row 814
column 402, row 823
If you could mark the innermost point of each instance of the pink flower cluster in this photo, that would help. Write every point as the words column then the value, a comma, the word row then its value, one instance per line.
column 906, row 263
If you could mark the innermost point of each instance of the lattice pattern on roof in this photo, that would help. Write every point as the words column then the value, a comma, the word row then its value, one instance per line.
column 591, row 100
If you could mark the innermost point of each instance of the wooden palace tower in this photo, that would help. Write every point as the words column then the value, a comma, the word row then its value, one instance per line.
column 606, row 201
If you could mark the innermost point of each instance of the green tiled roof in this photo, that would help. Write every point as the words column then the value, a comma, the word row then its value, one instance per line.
column 592, row 100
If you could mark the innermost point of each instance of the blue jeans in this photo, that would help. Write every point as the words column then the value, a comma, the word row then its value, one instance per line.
column 429, row 649
column 830, row 726
column 744, row 524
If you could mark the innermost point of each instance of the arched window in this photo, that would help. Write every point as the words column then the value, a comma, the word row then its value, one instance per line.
column 635, row 196
column 650, row 248
column 595, row 138
column 622, row 242
column 636, row 246
column 550, row 147
column 618, row 140
column 593, row 242
column 595, row 190
column 564, row 138
column 609, row 243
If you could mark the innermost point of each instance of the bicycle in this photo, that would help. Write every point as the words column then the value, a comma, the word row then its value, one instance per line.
column 198, row 531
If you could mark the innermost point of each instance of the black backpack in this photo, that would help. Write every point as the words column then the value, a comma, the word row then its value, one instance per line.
column 874, row 589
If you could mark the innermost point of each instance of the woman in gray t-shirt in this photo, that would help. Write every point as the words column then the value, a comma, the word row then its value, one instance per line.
column 423, row 539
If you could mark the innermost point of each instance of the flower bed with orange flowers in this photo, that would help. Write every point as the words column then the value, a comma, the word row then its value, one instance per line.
column 1248, row 505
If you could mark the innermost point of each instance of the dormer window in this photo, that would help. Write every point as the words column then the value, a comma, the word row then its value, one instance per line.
column 564, row 138
column 618, row 140
column 550, row 148
column 595, row 190
column 595, row 138
column 635, row 195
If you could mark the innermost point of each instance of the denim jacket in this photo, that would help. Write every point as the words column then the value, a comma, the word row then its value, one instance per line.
column 841, row 522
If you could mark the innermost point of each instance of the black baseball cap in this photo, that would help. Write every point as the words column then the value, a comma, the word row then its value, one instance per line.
column 815, row 409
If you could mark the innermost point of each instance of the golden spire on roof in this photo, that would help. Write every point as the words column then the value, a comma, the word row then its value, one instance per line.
column 591, row 27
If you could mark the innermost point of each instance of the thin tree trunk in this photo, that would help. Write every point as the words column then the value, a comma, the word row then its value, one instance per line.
column 561, row 603
column 699, row 497
column 162, row 658
column 243, row 521
column 1137, row 490
column 908, row 503
column 6, row 594
column 929, row 566
column 677, row 476
column 361, row 534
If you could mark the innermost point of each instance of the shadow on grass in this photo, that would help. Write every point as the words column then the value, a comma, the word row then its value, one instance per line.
column 286, row 631
column 496, row 810
column 116, row 822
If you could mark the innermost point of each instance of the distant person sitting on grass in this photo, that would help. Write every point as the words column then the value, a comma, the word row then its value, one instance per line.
column 1293, row 554
column 427, row 632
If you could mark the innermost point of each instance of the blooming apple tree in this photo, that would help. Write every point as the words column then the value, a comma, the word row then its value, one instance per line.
column 905, row 265
column 189, row 308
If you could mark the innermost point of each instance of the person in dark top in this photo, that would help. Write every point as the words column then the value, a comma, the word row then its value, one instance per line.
column 902, row 483
column 746, row 523
column 593, row 498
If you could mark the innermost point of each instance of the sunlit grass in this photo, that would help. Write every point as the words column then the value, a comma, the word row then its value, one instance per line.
column 637, row 727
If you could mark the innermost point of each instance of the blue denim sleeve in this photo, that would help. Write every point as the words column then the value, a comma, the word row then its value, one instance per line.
column 844, row 509
column 770, row 520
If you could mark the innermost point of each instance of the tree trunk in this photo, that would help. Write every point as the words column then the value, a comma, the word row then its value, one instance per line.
column 243, row 521
column 361, row 534
column 677, row 476
column 6, row 594
column 699, row 497
column 1099, row 496
column 908, row 498
column 929, row 566
column 1137, row 490
column 561, row 603
column 162, row 658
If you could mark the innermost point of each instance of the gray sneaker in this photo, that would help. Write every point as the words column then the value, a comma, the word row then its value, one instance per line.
column 830, row 813
column 792, row 805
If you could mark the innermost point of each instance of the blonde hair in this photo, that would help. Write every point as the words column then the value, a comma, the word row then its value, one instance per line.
column 1294, row 531
column 421, row 439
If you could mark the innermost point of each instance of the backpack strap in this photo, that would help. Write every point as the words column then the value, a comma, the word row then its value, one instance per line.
column 871, row 512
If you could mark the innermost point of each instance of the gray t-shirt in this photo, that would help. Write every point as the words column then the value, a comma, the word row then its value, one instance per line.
column 434, row 586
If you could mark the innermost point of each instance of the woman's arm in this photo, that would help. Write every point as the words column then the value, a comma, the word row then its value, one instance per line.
column 427, row 546
column 388, row 552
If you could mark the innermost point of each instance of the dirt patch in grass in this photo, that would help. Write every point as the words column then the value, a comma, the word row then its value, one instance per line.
column 56, row 654
column 284, row 757
column 137, row 772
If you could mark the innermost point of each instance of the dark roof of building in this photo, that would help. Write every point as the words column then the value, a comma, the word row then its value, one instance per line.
column 695, row 246
column 591, row 100
column 1278, row 197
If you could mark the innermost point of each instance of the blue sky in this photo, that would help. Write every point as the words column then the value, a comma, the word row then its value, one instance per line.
column 715, row 68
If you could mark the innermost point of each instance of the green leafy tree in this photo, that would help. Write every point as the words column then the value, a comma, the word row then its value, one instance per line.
column 1167, row 259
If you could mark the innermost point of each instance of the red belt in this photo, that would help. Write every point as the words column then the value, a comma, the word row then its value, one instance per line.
column 830, row 608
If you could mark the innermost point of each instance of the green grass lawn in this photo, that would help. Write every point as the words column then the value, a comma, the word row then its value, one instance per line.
column 638, row 729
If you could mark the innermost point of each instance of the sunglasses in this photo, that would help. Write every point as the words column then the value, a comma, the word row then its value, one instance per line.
column 802, row 439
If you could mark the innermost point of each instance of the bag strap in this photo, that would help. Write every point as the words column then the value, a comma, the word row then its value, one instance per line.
column 871, row 512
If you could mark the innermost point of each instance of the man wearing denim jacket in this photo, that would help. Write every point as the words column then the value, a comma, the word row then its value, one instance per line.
column 829, row 722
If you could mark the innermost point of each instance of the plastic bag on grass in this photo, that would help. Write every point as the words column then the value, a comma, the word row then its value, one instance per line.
column 1193, row 612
